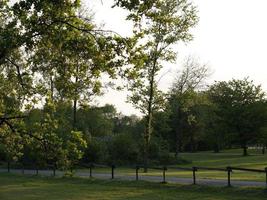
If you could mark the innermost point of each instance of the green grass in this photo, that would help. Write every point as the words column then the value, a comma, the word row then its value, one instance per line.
column 14, row 187
column 209, row 159
column 227, row 158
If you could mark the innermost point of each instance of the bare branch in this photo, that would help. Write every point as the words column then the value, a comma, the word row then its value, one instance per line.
column 13, row 117
column 18, row 72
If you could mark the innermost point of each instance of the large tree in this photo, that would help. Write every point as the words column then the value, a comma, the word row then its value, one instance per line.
column 184, row 102
column 158, row 25
column 65, row 51
column 49, row 50
column 240, row 104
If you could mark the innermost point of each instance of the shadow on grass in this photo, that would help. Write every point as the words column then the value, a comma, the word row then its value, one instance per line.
column 32, row 188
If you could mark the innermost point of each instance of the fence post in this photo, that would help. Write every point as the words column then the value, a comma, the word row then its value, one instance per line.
column 37, row 171
column 54, row 170
column 194, row 175
column 112, row 171
column 8, row 166
column 164, row 174
column 91, row 166
column 229, row 170
column 22, row 168
column 136, row 173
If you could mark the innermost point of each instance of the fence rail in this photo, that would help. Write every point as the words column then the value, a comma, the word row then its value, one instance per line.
column 164, row 169
column 212, row 169
column 181, row 168
column 249, row 170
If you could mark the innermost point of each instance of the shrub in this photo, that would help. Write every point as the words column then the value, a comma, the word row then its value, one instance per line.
column 96, row 151
column 123, row 149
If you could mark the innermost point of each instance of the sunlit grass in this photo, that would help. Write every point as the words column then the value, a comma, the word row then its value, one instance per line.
column 14, row 187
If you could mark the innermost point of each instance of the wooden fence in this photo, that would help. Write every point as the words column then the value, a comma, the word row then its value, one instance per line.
column 228, row 170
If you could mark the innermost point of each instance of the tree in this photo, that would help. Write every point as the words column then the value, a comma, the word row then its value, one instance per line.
column 240, row 104
column 158, row 25
column 11, row 143
column 73, row 58
column 49, row 49
column 193, row 76
column 96, row 121
column 50, row 144
column 63, row 45
column 12, row 98
column 184, row 102
column 262, row 138
column 216, row 131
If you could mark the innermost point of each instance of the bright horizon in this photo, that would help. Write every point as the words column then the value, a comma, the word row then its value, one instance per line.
column 230, row 37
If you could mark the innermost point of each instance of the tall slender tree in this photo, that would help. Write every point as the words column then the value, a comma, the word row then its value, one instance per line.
column 158, row 25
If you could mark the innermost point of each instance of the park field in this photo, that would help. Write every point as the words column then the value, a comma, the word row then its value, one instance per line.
column 233, row 158
column 18, row 187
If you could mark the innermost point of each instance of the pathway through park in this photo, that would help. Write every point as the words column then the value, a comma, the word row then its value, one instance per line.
column 118, row 176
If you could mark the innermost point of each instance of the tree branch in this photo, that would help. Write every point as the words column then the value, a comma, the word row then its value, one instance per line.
column 18, row 72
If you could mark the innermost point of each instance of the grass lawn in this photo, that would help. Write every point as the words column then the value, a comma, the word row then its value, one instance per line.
column 17, row 187
column 209, row 159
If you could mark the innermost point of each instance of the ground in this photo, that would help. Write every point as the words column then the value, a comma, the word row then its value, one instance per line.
column 26, row 187
column 233, row 158
column 205, row 159
column 14, row 187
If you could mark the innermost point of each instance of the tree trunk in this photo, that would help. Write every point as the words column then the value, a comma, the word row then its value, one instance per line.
column 52, row 88
column 147, row 140
column 75, row 100
column 245, row 150
column 192, row 144
column 216, row 148
column 263, row 149
column 8, row 166
column 178, row 133
column 217, row 145
column 74, row 114
column 146, row 149
column 148, row 129
column 178, row 143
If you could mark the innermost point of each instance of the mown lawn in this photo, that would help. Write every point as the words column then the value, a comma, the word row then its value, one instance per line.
column 227, row 158
column 17, row 187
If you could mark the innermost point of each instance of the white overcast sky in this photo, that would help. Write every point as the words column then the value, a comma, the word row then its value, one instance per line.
column 231, row 37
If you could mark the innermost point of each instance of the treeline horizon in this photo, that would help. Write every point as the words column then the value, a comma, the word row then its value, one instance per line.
column 191, row 120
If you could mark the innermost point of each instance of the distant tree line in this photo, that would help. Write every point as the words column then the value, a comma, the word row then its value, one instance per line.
column 221, row 116
column 224, row 115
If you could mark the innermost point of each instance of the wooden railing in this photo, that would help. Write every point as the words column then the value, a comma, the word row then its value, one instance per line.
column 164, row 169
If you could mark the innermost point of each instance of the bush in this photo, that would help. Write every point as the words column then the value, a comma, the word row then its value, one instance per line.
column 159, row 153
column 123, row 150
column 96, row 151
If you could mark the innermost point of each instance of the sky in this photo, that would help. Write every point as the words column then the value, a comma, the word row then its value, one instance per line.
column 231, row 37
